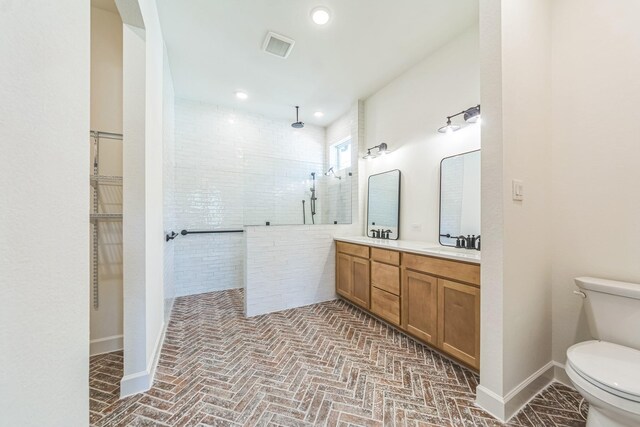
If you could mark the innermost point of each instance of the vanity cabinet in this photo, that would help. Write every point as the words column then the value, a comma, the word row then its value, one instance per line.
column 420, row 305
column 385, row 305
column 459, row 321
column 352, row 273
column 435, row 300
column 385, row 285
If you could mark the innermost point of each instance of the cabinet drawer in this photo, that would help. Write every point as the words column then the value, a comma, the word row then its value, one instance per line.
column 385, row 305
column 386, row 256
column 469, row 273
column 385, row 277
column 351, row 249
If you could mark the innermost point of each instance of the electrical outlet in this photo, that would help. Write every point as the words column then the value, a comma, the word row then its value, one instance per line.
column 517, row 190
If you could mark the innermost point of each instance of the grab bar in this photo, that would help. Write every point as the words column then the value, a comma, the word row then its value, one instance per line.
column 185, row 232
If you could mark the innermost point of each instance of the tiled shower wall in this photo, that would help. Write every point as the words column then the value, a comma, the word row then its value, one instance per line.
column 291, row 266
column 341, row 192
column 233, row 169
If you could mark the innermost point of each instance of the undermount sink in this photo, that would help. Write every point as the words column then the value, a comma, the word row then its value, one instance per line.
column 470, row 254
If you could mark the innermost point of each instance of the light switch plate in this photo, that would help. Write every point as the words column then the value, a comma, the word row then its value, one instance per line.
column 517, row 190
column 416, row 227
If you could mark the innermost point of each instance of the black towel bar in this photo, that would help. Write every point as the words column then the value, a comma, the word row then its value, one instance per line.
column 185, row 232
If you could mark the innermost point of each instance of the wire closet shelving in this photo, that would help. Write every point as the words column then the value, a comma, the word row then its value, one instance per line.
column 96, row 180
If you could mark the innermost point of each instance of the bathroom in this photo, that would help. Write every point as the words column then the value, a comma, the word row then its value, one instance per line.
column 379, row 221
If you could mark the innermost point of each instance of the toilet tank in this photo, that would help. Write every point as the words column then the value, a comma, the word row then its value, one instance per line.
column 612, row 309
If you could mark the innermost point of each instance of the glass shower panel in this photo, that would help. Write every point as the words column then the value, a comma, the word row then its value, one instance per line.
column 280, row 192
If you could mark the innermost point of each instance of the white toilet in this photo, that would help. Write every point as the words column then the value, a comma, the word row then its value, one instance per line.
column 606, row 371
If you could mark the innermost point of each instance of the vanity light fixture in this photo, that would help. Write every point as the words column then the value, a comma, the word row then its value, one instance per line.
column 382, row 150
column 369, row 155
column 471, row 115
column 449, row 127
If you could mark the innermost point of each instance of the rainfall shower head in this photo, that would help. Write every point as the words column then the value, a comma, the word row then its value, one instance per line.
column 332, row 172
column 297, row 124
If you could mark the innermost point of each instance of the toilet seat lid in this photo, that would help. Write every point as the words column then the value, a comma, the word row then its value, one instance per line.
column 612, row 367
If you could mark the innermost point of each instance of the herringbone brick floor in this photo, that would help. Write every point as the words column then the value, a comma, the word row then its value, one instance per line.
column 327, row 364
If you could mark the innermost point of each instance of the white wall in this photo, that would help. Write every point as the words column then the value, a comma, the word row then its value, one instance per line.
column 44, row 214
column 554, row 82
column 342, row 193
column 234, row 168
column 526, row 156
column 406, row 115
column 133, row 222
column 154, row 218
column 106, row 71
column 143, row 223
column 106, row 115
column 169, row 177
column 596, row 148
column 516, row 263
column 290, row 266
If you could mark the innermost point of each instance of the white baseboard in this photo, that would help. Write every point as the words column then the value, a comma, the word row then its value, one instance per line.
column 135, row 383
column 490, row 402
column 142, row 381
column 106, row 345
column 168, row 307
column 560, row 374
column 503, row 408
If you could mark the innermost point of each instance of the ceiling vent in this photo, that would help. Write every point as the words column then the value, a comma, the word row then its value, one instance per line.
column 278, row 45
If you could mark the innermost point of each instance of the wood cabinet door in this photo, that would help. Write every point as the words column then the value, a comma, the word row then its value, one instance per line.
column 419, row 305
column 344, row 283
column 459, row 321
column 360, row 280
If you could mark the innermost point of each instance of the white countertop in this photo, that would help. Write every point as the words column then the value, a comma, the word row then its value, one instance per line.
column 422, row 248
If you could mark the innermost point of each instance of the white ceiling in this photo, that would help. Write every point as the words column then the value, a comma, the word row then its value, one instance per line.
column 215, row 48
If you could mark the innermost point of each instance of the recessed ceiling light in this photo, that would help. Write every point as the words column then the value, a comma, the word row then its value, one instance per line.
column 318, row 114
column 241, row 95
column 320, row 15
